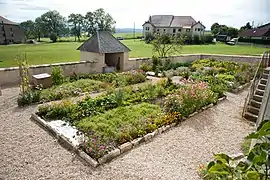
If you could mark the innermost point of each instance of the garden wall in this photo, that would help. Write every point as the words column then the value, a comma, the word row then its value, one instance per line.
column 134, row 63
column 10, row 76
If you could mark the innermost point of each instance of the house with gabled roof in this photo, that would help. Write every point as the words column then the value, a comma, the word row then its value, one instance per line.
column 261, row 32
column 169, row 24
column 108, row 52
column 10, row 32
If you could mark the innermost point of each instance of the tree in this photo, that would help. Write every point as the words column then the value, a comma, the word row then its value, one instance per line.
column 29, row 29
column 77, row 22
column 247, row 26
column 39, row 28
column 98, row 20
column 52, row 22
column 165, row 45
column 215, row 28
column 233, row 32
column 224, row 30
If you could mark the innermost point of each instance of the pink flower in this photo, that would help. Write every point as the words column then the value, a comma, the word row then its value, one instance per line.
column 102, row 147
column 90, row 149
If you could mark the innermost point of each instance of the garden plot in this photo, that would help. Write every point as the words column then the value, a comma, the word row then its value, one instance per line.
column 81, row 85
column 221, row 76
column 125, row 117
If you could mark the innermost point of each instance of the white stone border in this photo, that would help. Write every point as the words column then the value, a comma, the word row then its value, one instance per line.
column 123, row 148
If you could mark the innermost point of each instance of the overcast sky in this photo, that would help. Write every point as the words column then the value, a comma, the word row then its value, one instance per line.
column 230, row 12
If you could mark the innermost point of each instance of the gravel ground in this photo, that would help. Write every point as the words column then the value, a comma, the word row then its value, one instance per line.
column 28, row 152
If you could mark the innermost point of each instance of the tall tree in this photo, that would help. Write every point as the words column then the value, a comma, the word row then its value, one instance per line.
column 99, row 20
column 247, row 26
column 165, row 45
column 29, row 29
column 39, row 28
column 53, row 22
column 76, row 21
column 215, row 28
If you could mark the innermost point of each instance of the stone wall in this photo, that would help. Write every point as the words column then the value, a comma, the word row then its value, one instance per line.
column 10, row 76
column 134, row 63
column 235, row 58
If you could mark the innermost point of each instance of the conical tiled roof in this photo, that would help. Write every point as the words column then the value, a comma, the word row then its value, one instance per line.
column 103, row 42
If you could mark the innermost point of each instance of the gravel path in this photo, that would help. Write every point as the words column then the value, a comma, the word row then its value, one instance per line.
column 28, row 152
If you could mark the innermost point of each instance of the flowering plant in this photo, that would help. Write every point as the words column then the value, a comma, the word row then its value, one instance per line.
column 190, row 98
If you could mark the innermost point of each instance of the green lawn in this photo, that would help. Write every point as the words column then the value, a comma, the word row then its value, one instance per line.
column 47, row 53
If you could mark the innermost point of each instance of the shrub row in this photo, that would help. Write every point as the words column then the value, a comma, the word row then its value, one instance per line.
column 117, row 79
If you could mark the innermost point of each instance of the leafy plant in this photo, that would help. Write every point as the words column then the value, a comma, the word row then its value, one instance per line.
column 57, row 76
column 256, row 165
column 29, row 97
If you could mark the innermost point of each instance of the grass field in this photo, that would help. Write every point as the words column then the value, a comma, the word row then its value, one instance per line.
column 46, row 53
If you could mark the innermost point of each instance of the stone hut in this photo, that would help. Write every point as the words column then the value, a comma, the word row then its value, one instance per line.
column 108, row 52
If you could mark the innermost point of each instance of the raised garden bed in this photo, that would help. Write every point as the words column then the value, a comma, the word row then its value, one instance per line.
column 75, row 86
column 74, row 137
column 115, row 122
column 222, row 76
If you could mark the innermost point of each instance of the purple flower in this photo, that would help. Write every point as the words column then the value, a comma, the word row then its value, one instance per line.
column 102, row 147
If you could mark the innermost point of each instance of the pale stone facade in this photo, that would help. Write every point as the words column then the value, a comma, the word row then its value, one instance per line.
column 173, row 25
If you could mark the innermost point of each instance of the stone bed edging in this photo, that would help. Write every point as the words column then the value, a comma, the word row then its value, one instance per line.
column 123, row 148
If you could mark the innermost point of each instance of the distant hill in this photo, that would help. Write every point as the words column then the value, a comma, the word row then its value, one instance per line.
column 127, row 30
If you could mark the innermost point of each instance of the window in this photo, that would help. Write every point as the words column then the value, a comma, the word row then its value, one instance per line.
column 164, row 30
column 199, row 29
column 10, row 29
column 12, row 35
column 174, row 30
column 157, row 30
column 147, row 28
column 179, row 30
column 187, row 30
column 196, row 29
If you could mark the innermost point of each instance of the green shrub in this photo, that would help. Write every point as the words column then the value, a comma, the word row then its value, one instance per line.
column 29, row 97
column 57, row 110
column 57, row 76
column 208, row 39
column 146, row 67
column 53, row 37
column 196, row 39
column 116, row 79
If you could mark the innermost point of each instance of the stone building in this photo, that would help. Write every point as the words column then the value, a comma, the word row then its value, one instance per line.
column 10, row 32
column 108, row 52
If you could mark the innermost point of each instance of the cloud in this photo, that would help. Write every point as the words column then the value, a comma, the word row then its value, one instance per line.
column 232, row 12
